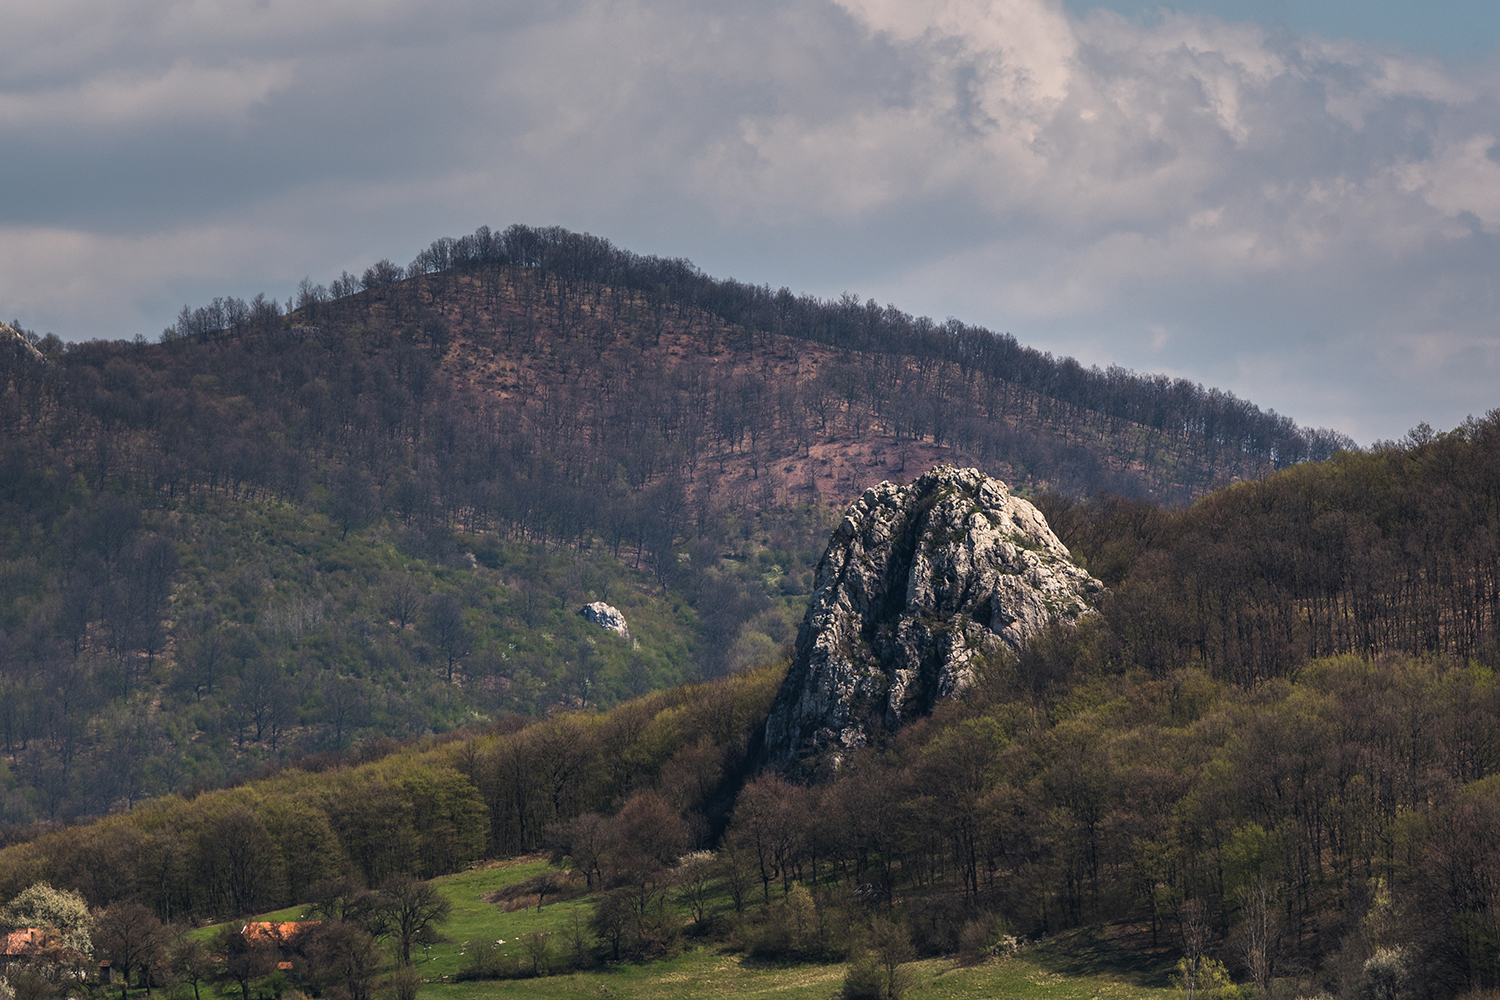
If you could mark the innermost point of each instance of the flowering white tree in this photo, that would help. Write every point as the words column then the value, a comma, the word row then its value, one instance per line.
column 64, row 919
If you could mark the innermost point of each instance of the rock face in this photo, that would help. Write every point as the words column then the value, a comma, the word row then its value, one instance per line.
column 10, row 336
column 606, row 617
column 917, row 582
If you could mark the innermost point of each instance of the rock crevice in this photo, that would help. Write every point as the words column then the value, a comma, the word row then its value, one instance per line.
column 918, row 583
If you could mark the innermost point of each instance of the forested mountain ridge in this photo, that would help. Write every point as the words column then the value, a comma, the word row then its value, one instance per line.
column 279, row 532
column 663, row 368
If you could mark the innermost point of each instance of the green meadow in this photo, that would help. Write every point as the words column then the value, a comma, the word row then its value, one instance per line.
column 1077, row 965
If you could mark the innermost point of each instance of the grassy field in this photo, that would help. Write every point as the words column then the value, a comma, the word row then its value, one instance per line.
column 1081, row 966
column 706, row 973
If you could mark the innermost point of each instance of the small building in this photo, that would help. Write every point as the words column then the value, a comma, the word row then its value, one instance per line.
column 21, row 944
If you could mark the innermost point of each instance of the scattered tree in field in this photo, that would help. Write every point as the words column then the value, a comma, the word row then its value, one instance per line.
column 415, row 909
column 191, row 962
column 244, row 960
column 891, row 943
column 342, row 958
column 538, row 948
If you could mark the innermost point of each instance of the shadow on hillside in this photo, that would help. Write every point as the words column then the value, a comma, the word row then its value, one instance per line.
column 1124, row 952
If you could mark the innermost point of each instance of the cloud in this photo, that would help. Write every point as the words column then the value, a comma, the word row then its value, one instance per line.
column 1313, row 224
column 181, row 92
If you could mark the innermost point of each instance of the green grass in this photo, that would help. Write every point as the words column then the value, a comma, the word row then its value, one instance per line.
column 707, row 972
column 1077, row 966
column 473, row 920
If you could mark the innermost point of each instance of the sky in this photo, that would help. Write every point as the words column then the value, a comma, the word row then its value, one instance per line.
column 1299, row 203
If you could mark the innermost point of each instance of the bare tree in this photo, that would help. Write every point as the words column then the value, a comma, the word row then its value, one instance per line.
column 1196, row 934
column 415, row 909
column 402, row 600
column 447, row 629
column 133, row 938
column 1259, row 934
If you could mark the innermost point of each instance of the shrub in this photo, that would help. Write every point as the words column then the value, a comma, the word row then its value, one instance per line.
column 864, row 979
column 404, row 983
column 483, row 961
column 1386, row 976
column 1205, row 979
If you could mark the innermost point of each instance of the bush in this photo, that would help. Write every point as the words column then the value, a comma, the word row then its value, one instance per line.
column 973, row 942
column 659, row 935
column 789, row 928
column 1386, row 976
column 404, row 984
column 1205, row 979
column 864, row 979
column 483, row 961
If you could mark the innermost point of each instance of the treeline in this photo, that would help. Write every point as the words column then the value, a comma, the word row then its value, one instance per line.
column 421, row 812
column 580, row 373
column 1292, row 830
column 1392, row 550
column 1046, row 423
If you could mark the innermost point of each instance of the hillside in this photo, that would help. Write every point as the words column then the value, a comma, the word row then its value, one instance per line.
column 1272, row 748
column 279, row 533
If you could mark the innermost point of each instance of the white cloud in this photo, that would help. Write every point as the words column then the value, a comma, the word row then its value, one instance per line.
column 181, row 92
column 1131, row 191
column 1461, row 178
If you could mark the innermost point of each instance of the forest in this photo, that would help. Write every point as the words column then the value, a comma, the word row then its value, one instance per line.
column 372, row 512
column 291, row 597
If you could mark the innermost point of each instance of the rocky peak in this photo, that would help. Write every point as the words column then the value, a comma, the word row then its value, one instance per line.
column 917, row 583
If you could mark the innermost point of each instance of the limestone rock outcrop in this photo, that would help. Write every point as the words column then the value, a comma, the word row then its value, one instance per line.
column 606, row 617
column 917, row 583
column 11, row 337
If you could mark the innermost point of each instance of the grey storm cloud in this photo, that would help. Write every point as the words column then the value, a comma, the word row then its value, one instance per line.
column 1313, row 224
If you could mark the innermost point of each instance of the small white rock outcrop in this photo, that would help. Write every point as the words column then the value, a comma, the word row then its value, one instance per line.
column 917, row 582
column 606, row 617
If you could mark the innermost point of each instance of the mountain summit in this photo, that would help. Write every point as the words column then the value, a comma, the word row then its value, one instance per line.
column 917, row 583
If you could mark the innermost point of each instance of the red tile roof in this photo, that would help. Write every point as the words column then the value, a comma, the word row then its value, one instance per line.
column 19, row 942
column 276, row 931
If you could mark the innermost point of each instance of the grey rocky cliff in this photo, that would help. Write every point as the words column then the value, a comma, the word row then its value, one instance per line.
column 917, row 584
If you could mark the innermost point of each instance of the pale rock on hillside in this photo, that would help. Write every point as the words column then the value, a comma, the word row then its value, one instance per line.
column 917, row 583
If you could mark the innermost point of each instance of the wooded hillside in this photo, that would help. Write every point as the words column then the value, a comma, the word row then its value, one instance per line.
column 374, row 513
column 1274, row 747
